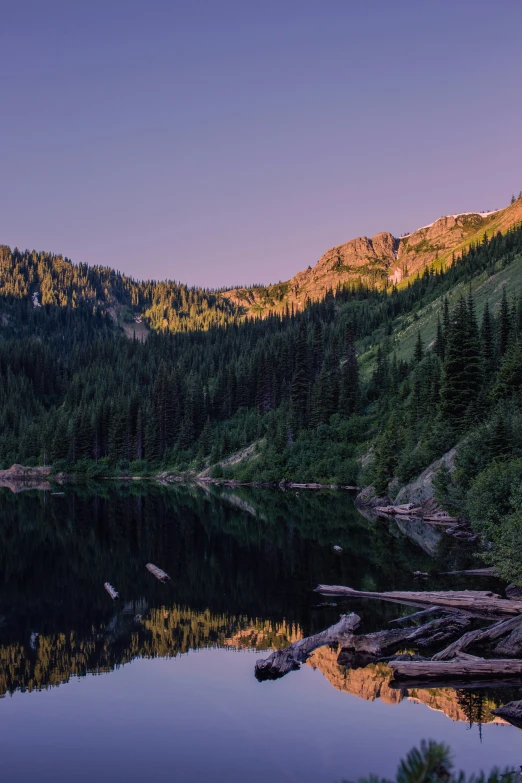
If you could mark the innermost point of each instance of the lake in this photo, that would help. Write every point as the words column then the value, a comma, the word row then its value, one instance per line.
column 159, row 685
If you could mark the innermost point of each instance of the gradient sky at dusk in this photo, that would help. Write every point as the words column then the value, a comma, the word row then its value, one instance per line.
column 226, row 141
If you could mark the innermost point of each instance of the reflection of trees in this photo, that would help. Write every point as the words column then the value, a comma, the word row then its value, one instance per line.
column 56, row 552
column 474, row 705
column 255, row 555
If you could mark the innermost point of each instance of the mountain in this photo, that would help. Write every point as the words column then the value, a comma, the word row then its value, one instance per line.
column 380, row 261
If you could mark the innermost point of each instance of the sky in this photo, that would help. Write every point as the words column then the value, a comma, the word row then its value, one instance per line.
column 224, row 142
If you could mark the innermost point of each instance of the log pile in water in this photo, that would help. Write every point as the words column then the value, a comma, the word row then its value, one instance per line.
column 452, row 666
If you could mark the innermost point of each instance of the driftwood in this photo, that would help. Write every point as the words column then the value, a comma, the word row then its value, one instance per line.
column 512, row 712
column 477, row 602
column 441, row 519
column 433, row 671
column 280, row 662
column 445, row 633
column 405, row 508
column 157, row 572
column 491, row 633
column 110, row 589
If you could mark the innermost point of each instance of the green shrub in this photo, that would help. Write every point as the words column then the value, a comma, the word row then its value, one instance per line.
column 493, row 495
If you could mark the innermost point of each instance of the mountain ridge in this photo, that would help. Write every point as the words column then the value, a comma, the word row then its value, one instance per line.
column 382, row 260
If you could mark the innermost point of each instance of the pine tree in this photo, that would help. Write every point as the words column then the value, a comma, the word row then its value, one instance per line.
column 419, row 349
column 504, row 324
column 462, row 377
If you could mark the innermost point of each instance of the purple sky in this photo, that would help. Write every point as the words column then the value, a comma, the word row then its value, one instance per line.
column 226, row 142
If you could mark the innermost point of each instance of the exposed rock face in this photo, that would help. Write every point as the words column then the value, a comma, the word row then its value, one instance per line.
column 379, row 261
column 424, row 535
column 24, row 474
column 421, row 490
column 368, row 499
column 18, row 478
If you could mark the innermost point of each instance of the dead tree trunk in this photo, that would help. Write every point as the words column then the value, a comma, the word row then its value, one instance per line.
column 382, row 642
column 480, row 603
column 444, row 671
column 283, row 661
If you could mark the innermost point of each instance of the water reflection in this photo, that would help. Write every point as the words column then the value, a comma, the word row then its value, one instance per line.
column 242, row 564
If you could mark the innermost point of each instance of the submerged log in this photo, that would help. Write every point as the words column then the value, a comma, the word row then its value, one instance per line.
column 472, row 572
column 157, row 572
column 417, row 615
column 445, row 671
column 479, row 602
column 280, row 662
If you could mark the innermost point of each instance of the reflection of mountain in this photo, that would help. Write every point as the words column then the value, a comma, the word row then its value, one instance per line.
column 373, row 682
column 45, row 661
column 48, row 660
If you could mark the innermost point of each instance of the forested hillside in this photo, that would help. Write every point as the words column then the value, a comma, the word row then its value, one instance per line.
column 39, row 279
column 327, row 394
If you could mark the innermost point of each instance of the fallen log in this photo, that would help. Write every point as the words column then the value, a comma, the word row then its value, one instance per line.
column 477, row 602
column 404, row 508
column 433, row 671
column 110, row 589
column 381, row 642
column 466, row 657
column 511, row 646
column 280, row 662
column 157, row 572
column 441, row 520
column 458, row 683
column 441, row 636
column 512, row 712
column 491, row 633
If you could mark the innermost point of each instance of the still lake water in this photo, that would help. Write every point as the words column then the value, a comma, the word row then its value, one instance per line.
column 159, row 685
